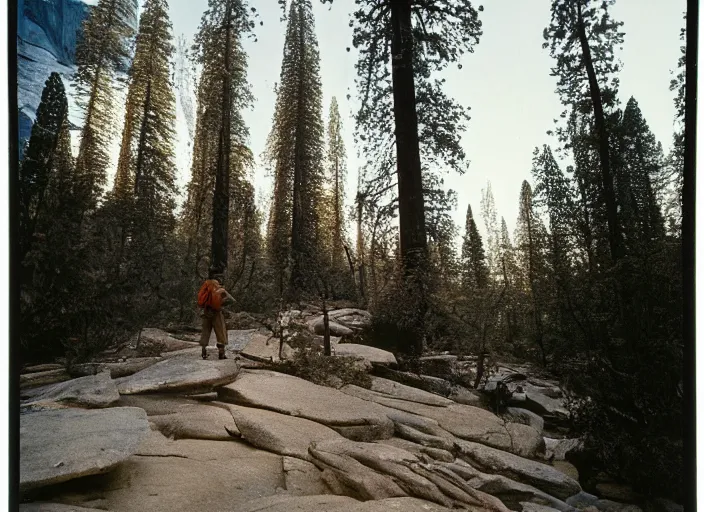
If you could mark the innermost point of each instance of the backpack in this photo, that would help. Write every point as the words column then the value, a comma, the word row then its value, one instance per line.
column 207, row 298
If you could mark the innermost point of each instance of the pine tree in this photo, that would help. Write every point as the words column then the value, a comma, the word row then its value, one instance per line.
column 639, row 163
column 49, row 234
column 443, row 259
column 40, row 157
column 47, row 202
column 488, row 208
column 509, row 277
column 102, row 48
column 245, row 241
column 442, row 233
column 128, row 243
column 333, row 243
column 336, row 175
column 480, row 302
column 221, row 197
column 582, row 38
column 296, row 149
column 529, row 244
column 146, row 165
column 591, row 221
column 475, row 273
column 405, row 116
column 554, row 193
column 197, row 211
column 360, row 249
column 219, row 162
column 506, row 250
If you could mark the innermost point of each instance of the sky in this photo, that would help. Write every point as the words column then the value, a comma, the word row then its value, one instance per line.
column 506, row 82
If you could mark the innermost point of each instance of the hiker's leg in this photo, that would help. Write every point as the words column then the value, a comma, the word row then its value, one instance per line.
column 220, row 328
column 206, row 330
column 205, row 334
column 220, row 333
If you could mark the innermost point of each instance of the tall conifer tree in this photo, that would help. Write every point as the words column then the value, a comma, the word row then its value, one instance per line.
column 41, row 157
column 145, row 166
column 145, row 177
column 335, row 182
column 554, row 194
column 529, row 244
column 509, row 277
column 220, row 152
column 640, row 162
column 582, row 38
column 360, row 252
column 103, row 47
column 488, row 209
column 296, row 150
column 49, row 234
column 474, row 269
column 406, row 122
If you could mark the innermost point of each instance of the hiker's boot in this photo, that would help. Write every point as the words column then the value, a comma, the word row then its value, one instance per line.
column 221, row 351
column 204, row 353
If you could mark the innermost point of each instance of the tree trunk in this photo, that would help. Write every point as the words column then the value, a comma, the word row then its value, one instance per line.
column 221, row 197
column 480, row 369
column 327, row 350
column 688, row 228
column 281, row 332
column 413, row 243
column 360, row 248
column 603, row 135
column 349, row 261
column 586, row 231
column 372, row 261
column 251, row 273
column 337, row 245
column 508, row 309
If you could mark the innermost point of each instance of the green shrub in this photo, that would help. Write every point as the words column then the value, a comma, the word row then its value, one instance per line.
column 151, row 348
column 330, row 371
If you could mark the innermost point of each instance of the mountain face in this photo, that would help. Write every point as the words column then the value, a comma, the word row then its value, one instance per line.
column 47, row 32
column 52, row 25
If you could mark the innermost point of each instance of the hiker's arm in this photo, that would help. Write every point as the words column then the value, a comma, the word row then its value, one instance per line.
column 227, row 299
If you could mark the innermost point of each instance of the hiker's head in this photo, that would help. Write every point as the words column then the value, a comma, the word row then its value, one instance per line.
column 216, row 275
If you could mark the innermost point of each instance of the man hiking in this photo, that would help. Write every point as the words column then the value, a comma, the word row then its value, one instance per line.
column 211, row 298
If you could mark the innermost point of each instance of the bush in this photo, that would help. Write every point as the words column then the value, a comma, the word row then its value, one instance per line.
column 632, row 420
column 323, row 370
column 150, row 348
column 394, row 320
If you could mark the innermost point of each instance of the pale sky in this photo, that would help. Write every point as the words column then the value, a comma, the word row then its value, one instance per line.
column 506, row 82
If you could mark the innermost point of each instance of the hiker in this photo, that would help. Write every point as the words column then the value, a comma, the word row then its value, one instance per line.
column 211, row 298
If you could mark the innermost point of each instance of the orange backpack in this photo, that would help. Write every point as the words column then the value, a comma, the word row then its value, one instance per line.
column 207, row 298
